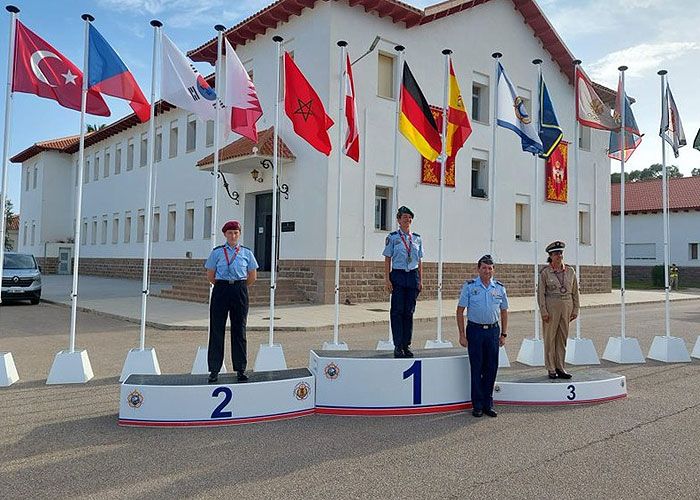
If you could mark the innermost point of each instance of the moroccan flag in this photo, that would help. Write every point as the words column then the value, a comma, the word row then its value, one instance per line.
column 352, row 137
column 241, row 97
column 629, row 130
column 591, row 111
column 305, row 109
column 549, row 130
column 109, row 75
column 458, row 126
column 416, row 122
column 41, row 70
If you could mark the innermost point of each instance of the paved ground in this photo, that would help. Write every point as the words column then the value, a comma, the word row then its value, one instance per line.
column 58, row 442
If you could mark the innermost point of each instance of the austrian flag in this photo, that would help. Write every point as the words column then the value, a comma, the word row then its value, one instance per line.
column 352, row 136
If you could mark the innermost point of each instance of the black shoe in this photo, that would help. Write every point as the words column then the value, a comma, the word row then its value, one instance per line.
column 552, row 374
column 242, row 377
column 213, row 378
column 398, row 353
column 407, row 352
column 491, row 412
column 563, row 374
column 477, row 413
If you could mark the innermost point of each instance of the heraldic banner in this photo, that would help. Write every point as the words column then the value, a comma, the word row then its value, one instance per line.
column 557, row 175
column 430, row 170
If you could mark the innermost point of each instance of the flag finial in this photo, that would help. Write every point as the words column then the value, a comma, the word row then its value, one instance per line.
column 277, row 38
column 12, row 8
column 537, row 61
column 399, row 48
column 219, row 27
column 156, row 23
column 623, row 68
column 87, row 17
column 342, row 43
column 496, row 55
column 661, row 72
column 576, row 62
column 446, row 52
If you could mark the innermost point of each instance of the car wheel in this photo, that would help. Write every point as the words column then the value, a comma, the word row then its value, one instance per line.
column 34, row 301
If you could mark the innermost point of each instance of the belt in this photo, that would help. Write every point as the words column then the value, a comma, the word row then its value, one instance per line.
column 483, row 326
column 228, row 282
column 405, row 270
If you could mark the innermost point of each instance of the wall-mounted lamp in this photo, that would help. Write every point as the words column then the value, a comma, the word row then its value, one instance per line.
column 256, row 175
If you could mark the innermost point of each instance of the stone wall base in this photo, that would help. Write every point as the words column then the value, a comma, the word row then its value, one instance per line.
column 687, row 276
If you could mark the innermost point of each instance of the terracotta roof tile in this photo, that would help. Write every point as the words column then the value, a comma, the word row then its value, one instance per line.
column 13, row 223
column 244, row 147
column 59, row 144
column 646, row 196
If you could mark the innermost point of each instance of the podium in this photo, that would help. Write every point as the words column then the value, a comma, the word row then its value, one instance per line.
column 188, row 400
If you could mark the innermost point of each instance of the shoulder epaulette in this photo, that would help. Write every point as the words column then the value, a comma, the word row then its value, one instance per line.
column 243, row 246
column 393, row 233
column 416, row 234
column 499, row 283
column 469, row 282
column 220, row 246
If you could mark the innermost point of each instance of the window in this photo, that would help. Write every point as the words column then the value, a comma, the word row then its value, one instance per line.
column 172, row 220
column 584, row 224
column 172, row 152
column 143, row 152
column 210, row 133
column 191, row 133
column 640, row 251
column 115, row 229
column 27, row 175
column 382, row 208
column 189, row 220
column 127, row 227
column 106, row 168
column 155, row 228
column 140, row 223
column 693, row 251
column 93, row 236
column 480, row 174
column 584, row 138
column 522, row 217
column 159, row 144
column 118, row 159
column 206, row 231
column 86, row 171
column 103, row 234
column 83, row 236
column 96, row 170
column 385, row 75
column 36, row 174
column 130, row 155
column 33, row 232
column 480, row 98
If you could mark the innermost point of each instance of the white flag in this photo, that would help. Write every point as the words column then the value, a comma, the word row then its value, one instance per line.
column 241, row 97
column 513, row 115
column 182, row 85
column 671, row 126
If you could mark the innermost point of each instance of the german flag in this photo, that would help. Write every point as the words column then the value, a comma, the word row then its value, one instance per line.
column 416, row 122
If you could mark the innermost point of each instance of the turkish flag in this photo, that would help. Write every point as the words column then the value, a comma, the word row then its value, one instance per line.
column 305, row 109
column 42, row 70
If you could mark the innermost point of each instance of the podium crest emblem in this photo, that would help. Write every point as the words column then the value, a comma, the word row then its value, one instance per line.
column 135, row 399
column 302, row 390
column 331, row 371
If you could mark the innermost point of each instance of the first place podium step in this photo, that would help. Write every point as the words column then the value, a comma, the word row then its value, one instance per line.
column 188, row 400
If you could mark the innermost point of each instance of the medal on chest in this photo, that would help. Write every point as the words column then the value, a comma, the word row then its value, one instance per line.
column 408, row 245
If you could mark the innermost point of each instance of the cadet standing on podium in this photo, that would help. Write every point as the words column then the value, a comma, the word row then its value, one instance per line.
column 231, row 268
column 403, row 277
column 557, row 296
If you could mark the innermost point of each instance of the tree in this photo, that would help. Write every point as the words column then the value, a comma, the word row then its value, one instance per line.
column 94, row 127
column 615, row 177
column 695, row 172
column 651, row 172
column 9, row 216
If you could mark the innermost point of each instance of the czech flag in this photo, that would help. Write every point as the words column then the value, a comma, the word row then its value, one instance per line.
column 109, row 75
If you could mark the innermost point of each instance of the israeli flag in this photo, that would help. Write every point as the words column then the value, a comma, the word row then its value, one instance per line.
column 513, row 115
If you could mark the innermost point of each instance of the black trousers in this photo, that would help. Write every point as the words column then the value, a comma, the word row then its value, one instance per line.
column 403, row 304
column 228, row 300
column 482, row 345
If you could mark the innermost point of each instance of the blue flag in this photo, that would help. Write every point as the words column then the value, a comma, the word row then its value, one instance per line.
column 513, row 115
column 549, row 129
column 632, row 136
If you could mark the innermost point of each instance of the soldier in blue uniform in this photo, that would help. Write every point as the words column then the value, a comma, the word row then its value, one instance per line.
column 486, row 303
column 231, row 268
column 403, row 273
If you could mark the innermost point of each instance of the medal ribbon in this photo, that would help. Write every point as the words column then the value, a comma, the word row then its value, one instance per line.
column 408, row 245
column 228, row 263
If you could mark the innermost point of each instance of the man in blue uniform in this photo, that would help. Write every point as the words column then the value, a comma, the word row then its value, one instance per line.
column 231, row 268
column 486, row 303
column 403, row 272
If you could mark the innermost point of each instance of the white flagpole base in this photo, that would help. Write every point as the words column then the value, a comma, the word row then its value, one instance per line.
column 270, row 358
column 438, row 344
column 623, row 350
column 503, row 361
column 531, row 352
column 140, row 362
column 332, row 346
column 201, row 363
column 8, row 370
column 385, row 345
column 581, row 351
column 669, row 350
column 696, row 349
column 70, row 368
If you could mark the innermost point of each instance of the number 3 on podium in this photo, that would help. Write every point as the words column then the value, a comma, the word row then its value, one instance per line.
column 415, row 371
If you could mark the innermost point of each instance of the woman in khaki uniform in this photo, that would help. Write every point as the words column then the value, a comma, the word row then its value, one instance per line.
column 557, row 296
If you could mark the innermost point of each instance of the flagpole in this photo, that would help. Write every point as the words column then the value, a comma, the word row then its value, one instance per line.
column 536, row 211
column 275, row 153
column 577, row 62
column 389, row 343
column 623, row 145
column 664, row 183
column 492, row 194
column 341, row 111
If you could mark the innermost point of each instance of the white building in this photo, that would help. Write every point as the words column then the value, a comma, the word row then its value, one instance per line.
column 644, row 233
column 115, row 173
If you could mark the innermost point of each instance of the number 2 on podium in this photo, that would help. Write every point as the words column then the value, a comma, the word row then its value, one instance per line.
column 415, row 371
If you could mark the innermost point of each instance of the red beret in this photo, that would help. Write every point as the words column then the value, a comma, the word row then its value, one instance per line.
column 232, row 224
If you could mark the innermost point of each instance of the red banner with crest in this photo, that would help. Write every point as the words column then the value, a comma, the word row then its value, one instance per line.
column 557, row 174
column 430, row 170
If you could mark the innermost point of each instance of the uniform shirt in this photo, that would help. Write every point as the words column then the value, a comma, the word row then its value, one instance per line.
column 395, row 248
column 236, row 268
column 557, row 285
column 483, row 302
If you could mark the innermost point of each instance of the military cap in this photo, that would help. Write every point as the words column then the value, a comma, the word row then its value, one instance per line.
column 486, row 259
column 232, row 224
column 404, row 210
column 555, row 246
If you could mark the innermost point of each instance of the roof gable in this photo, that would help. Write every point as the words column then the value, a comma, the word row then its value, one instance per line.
column 646, row 196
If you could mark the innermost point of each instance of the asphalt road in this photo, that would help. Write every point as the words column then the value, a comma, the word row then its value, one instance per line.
column 58, row 442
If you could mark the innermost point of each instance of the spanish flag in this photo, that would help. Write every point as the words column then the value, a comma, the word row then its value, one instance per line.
column 458, row 126
column 416, row 122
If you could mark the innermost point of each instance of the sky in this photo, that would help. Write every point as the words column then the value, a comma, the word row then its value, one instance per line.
column 645, row 35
